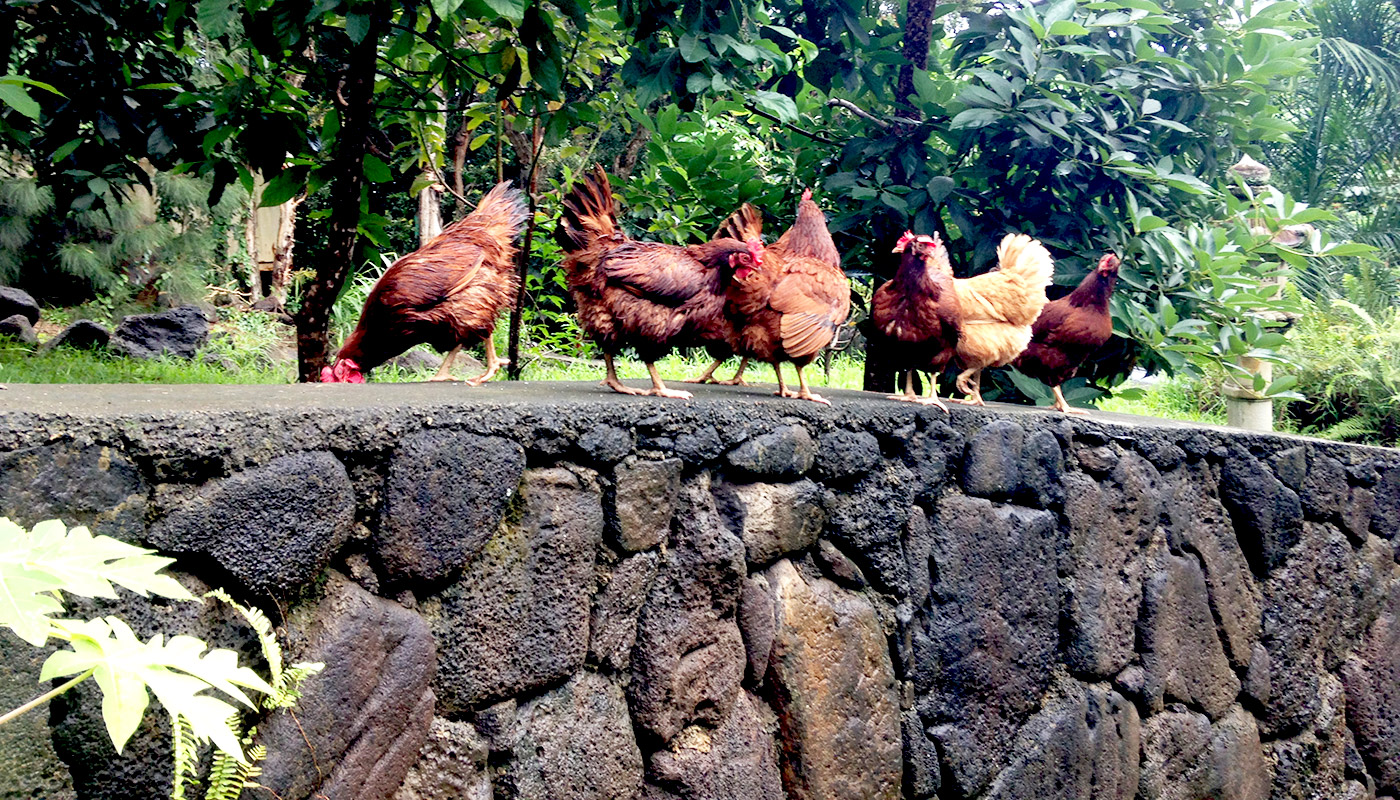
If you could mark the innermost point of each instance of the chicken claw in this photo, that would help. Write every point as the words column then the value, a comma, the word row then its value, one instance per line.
column 923, row 401
column 815, row 398
column 1062, row 405
column 662, row 391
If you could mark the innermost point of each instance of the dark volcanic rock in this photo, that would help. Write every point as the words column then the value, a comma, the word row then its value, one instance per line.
column 785, row 452
column 613, row 625
column 992, row 466
column 738, row 759
column 517, row 619
column 643, row 500
column 985, row 651
column 1042, row 471
column 756, row 625
column 83, row 335
column 1313, row 764
column 607, row 444
column 689, row 658
column 178, row 332
column 360, row 723
column 17, row 301
column 30, row 768
column 451, row 764
column 844, row 454
column 772, row 519
column 573, row 743
column 16, row 326
column 1185, row 758
column 1181, row 652
column 273, row 527
column 838, row 707
column 1372, row 679
column 93, row 485
column 1385, row 515
column 1267, row 515
column 445, row 495
column 921, row 777
column 867, row 521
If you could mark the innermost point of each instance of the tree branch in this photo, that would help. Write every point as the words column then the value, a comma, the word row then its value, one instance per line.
column 813, row 135
column 863, row 114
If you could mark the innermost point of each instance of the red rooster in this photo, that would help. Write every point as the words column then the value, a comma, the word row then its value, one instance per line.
column 790, row 307
column 1069, row 330
column 645, row 295
column 446, row 294
column 807, row 239
column 918, row 313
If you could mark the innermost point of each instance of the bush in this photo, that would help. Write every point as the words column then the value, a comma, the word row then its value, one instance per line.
column 1347, row 370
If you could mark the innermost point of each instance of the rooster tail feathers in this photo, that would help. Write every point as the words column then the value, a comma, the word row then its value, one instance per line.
column 504, row 204
column 1026, row 260
column 589, row 213
column 744, row 224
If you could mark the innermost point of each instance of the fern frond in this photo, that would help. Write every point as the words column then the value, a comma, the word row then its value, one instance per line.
column 267, row 640
column 185, row 745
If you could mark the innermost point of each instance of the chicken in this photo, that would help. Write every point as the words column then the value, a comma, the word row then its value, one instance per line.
column 1069, row 330
column 998, row 309
column 807, row 238
column 645, row 295
column 790, row 307
column 447, row 294
column 917, row 314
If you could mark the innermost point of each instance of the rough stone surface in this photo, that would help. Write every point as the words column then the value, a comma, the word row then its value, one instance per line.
column 1267, row 515
column 1042, row 471
column 867, row 522
column 643, row 500
column 993, row 463
column 613, row 625
column 1313, row 764
column 844, row 455
column 517, row 620
column 273, row 528
column 689, row 658
column 445, row 494
column 573, row 743
column 838, row 707
column 17, row 301
column 29, row 767
column 179, row 332
column 757, row 626
column 94, row 485
column 1372, row 679
column 367, row 714
column 985, row 651
column 1385, row 514
column 785, row 452
column 607, row 443
column 16, row 326
column 772, row 519
column 1185, row 758
column 738, row 759
column 1181, row 653
column 83, row 335
column 451, row 764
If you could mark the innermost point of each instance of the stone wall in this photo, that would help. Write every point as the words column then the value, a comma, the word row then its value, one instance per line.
column 553, row 592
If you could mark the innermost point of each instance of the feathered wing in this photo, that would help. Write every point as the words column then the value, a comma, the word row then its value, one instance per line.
column 1014, row 292
column 662, row 273
column 499, row 215
column 743, row 225
column 814, row 301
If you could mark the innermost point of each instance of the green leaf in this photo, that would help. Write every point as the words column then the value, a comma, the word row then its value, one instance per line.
column 376, row 171
column 282, row 188
column 446, row 8
column 64, row 150
column 357, row 27
column 1067, row 27
column 779, row 105
column 975, row 118
column 513, row 10
column 17, row 97
column 692, row 49
column 216, row 18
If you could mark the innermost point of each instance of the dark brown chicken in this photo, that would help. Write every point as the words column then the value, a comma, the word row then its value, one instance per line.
column 808, row 238
column 645, row 295
column 917, row 314
column 446, row 294
column 789, row 307
column 1069, row 330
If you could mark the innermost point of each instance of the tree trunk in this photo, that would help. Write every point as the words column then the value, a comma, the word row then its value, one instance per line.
column 429, row 209
column 460, row 140
column 626, row 161
column 282, row 250
column 918, row 30
column 250, row 238
column 528, row 160
column 355, row 98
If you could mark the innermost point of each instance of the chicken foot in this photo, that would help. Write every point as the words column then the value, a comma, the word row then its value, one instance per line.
column 970, row 384
column 805, row 393
column 658, row 388
column 1063, row 405
column 444, row 372
column 493, row 364
column 910, row 397
column 708, row 375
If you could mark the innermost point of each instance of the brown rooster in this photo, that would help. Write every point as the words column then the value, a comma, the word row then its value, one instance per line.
column 645, row 295
column 917, row 314
column 998, row 309
column 1069, row 330
column 808, row 239
column 790, row 307
column 446, row 294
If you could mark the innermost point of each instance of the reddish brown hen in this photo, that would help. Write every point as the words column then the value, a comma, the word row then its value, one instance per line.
column 1069, row 330
column 446, row 294
column 808, row 238
column 918, row 314
column 790, row 307
column 645, row 295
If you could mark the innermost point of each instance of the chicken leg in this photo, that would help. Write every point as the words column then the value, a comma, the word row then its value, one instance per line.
column 444, row 372
column 493, row 364
column 658, row 388
column 804, row 393
column 1063, row 405
column 970, row 384
column 909, row 397
column 708, row 375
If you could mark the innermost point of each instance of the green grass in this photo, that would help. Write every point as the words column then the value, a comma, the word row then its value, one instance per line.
column 17, row 365
column 1180, row 398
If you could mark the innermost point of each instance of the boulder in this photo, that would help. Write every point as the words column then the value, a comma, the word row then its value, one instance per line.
column 607, row 444
column 94, row 485
column 1184, row 757
column 783, row 453
column 643, row 500
column 613, row 625
column 517, row 619
column 446, row 493
column 867, row 521
column 451, row 764
column 573, row 743
column 1042, row 471
column 1372, row 680
column 83, row 335
column 837, row 698
column 17, row 301
column 689, row 658
column 273, row 527
column 179, row 332
column 992, row 465
column 1181, row 653
column 1267, row 515
column 772, row 519
column 844, row 455
column 16, row 326
column 738, row 759
column 360, row 723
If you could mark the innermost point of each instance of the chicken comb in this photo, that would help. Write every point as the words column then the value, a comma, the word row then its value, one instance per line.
column 903, row 242
column 1110, row 261
column 756, row 250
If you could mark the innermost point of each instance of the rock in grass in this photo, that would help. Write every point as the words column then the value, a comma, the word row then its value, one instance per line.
column 16, row 326
column 178, row 332
column 83, row 334
column 16, row 301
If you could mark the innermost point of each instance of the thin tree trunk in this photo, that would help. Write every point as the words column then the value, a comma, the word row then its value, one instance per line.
column 626, row 161
column 918, row 30
column 429, row 209
column 355, row 97
column 460, row 140
column 530, row 160
column 282, row 250
column 250, row 239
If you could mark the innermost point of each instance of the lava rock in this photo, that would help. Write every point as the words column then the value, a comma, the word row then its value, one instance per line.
column 31, row 768
column 274, row 527
column 772, row 519
column 613, row 625
column 82, row 335
column 1385, row 515
column 16, row 326
column 838, row 567
column 517, row 619
column 643, row 500
column 445, row 495
column 838, row 706
column 1185, row 757
column 868, row 522
column 360, row 723
column 992, row 466
column 1372, row 680
column 451, row 764
column 1181, row 652
column 1313, row 763
column 179, row 332
column 737, row 759
column 1267, row 515
column 844, row 454
column 782, row 453
column 17, row 301
column 93, row 485
column 757, row 627
column 1042, row 471
column 607, row 444
column 921, row 776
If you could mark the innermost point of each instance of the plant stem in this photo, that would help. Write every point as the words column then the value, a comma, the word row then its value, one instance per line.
column 45, row 697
